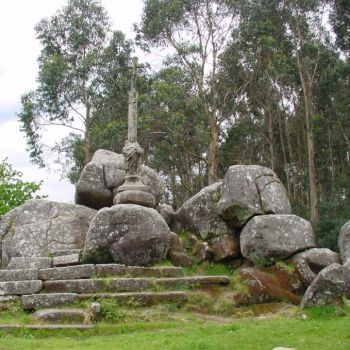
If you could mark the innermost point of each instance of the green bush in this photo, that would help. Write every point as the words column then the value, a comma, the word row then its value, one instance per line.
column 110, row 311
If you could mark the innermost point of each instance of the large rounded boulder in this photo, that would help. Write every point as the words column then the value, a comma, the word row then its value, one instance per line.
column 251, row 190
column 200, row 214
column 327, row 288
column 310, row 262
column 100, row 179
column 268, row 238
column 344, row 243
column 128, row 234
column 41, row 227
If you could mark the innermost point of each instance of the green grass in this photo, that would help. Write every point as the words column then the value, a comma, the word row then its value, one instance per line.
column 209, row 269
column 322, row 329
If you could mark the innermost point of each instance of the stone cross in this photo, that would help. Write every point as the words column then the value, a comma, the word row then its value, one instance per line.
column 133, row 190
column 133, row 95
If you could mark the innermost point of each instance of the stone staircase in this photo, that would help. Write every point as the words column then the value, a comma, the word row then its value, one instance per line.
column 41, row 289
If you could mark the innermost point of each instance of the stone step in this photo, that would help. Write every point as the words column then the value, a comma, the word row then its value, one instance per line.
column 37, row 301
column 112, row 270
column 107, row 270
column 60, row 315
column 130, row 284
column 19, row 275
column 47, row 326
column 56, row 253
column 140, row 298
column 68, row 272
column 66, row 260
column 20, row 287
column 48, row 300
column 19, row 263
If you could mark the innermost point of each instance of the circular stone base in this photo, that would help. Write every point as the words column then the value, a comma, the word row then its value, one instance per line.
column 143, row 198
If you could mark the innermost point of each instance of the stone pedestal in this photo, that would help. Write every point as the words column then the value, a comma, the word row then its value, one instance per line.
column 134, row 191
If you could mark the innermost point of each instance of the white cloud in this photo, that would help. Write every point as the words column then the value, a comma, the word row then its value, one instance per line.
column 18, row 70
column 12, row 147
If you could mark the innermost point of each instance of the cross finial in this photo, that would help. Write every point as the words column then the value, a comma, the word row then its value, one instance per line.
column 134, row 68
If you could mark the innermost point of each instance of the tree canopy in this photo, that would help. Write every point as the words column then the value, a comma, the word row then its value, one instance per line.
column 242, row 82
column 13, row 190
column 82, row 63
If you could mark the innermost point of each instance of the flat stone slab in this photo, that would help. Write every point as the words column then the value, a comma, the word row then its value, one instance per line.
column 19, row 275
column 75, row 286
column 60, row 315
column 7, row 298
column 141, row 298
column 47, row 326
column 20, row 287
column 55, row 253
column 193, row 281
column 131, row 284
column 36, row 301
column 66, row 260
column 19, row 263
column 109, row 270
column 67, row 272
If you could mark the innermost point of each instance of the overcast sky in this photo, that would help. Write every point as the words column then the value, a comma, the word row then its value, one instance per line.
column 18, row 71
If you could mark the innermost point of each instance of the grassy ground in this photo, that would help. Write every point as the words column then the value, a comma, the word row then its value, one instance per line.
column 210, row 320
column 165, row 329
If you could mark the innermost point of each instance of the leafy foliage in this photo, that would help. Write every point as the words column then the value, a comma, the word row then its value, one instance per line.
column 13, row 190
column 110, row 311
column 340, row 19
column 82, row 63
column 196, row 33
column 244, row 82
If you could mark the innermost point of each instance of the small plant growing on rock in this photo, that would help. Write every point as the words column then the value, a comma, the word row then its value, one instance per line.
column 110, row 311
column 260, row 261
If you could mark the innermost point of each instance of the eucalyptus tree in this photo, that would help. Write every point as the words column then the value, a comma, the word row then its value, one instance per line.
column 340, row 19
column 308, row 35
column 172, row 123
column 196, row 32
column 80, row 62
column 258, row 79
column 282, row 58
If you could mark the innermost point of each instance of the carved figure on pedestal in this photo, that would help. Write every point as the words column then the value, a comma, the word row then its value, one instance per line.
column 133, row 191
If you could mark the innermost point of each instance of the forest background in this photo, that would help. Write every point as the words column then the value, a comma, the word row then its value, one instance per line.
column 243, row 82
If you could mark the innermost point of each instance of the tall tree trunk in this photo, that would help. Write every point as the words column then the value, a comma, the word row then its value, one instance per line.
column 284, row 153
column 345, row 135
column 290, row 151
column 173, row 188
column 306, row 75
column 331, row 159
column 87, row 136
column 311, row 153
column 299, row 135
column 271, row 132
column 271, row 142
column 87, row 147
column 212, row 150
